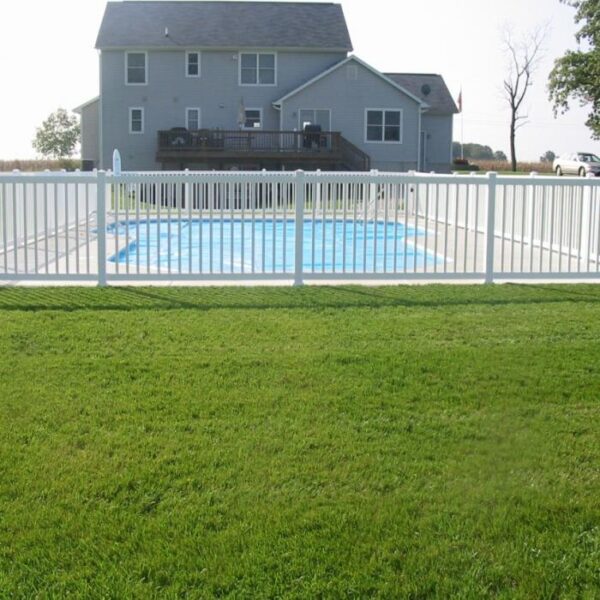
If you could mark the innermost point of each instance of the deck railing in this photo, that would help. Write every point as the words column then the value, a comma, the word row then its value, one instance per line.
column 248, row 141
column 353, row 157
column 297, row 226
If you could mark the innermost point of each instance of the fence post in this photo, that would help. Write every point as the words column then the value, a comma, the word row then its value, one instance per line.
column 411, row 187
column 101, row 226
column 490, row 230
column 373, row 200
column 187, row 199
column 299, row 249
column 587, row 211
column 317, row 197
column 530, row 202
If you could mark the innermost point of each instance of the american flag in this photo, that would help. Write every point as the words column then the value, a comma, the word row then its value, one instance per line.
column 460, row 104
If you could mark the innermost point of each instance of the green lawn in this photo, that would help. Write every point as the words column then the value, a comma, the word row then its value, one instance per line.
column 410, row 442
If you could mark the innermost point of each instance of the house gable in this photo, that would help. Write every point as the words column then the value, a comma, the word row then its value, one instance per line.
column 79, row 109
column 349, row 92
column 343, row 63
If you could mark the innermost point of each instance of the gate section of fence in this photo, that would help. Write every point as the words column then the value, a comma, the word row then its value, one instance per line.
column 297, row 226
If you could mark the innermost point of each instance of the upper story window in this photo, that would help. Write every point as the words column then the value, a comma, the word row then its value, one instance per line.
column 253, row 118
column 258, row 68
column 136, row 68
column 384, row 125
column 192, row 118
column 136, row 120
column 192, row 64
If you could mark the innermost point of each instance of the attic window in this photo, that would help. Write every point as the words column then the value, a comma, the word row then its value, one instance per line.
column 136, row 64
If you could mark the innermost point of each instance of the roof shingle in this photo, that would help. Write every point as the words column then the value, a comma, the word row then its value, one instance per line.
column 438, row 97
column 208, row 24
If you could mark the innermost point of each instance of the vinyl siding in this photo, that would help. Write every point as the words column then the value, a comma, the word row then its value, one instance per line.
column 168, row 93
column 90, row 128
column 438, row 129
column 348, row 99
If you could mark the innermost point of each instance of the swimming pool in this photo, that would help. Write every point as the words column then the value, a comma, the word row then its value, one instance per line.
column 268, row 246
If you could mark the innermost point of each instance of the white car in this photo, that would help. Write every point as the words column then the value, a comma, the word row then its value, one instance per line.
column 579, row 163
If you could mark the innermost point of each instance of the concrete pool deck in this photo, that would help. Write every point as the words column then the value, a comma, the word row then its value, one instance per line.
column 76, row 252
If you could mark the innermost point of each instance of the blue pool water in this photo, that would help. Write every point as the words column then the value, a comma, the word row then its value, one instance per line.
column 229, row 246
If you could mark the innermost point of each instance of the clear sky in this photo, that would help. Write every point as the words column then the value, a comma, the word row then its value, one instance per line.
column 47, row 60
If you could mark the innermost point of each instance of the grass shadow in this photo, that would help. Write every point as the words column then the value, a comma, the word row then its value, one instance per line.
column 70, row 299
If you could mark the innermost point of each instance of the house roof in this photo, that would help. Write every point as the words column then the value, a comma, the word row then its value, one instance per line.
column 78, row 110
column 207, row 24
column 430, row 88
column 355, row 59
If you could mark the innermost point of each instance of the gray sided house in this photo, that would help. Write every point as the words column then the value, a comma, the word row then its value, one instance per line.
column 252, row 85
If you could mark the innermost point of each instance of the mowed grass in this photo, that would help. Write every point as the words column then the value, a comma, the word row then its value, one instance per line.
column 410, row 442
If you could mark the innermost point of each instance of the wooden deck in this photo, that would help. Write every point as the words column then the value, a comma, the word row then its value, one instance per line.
column 268, row 149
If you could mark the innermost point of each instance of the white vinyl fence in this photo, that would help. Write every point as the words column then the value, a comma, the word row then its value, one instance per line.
column 297, row 226
column 45, row 220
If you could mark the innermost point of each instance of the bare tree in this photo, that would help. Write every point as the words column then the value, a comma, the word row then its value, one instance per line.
column 524, row 56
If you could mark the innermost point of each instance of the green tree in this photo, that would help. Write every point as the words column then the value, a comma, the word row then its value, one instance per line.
column 576, row 76
column 58, row 135
column 473, row 151
column 479, row 152
column 548, row 157
column 499, row 155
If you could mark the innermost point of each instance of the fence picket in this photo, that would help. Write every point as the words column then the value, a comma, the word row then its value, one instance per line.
column 207, row 225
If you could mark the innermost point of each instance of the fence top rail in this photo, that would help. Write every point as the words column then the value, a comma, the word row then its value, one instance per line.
column 41, row 178
column 203, row 177
column 291, row 176
column 49, row 173
column 370, row 177
column 548, row 180
column 453, row 179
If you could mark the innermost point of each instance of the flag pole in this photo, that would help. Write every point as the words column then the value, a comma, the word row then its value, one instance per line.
column 462, row 135
column 462, row 124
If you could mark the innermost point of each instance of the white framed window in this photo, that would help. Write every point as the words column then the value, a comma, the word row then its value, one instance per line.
column 192, row 119
column 383, row 125
column 257, row 68
column 136, row 120
column 253, row 118
column 192, row 64
column 136, row 68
